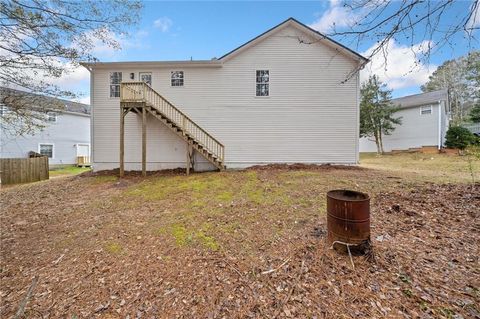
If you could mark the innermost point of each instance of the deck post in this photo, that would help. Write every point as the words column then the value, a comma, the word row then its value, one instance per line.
column 122, row 141
column 144, row 140
column 189, row 158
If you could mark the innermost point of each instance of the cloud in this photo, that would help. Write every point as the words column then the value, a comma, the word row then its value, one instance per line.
column 336, row 16
column 73, row 78
column 401, row 69
column 163, row 24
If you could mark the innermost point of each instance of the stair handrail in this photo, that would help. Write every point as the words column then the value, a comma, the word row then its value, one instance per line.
column 142, row 92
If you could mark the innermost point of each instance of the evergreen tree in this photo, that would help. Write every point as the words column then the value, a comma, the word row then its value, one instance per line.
column 376, row 112
column 461, row 77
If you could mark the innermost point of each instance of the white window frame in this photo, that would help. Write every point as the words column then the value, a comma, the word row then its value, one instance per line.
column 52, row 117
column 264, row 83
column 3, row 110
column 114, row 84
column 424, row 107
column 145, row 73
column 183, row 79
column 53, row 148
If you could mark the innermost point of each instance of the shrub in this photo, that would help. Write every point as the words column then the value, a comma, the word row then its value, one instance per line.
column 459, row 137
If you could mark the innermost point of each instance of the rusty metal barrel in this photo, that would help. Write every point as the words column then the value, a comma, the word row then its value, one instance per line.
column 348, row 217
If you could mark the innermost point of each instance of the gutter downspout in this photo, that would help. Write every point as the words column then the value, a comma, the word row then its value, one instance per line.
column 90, row 70
column 439, row 125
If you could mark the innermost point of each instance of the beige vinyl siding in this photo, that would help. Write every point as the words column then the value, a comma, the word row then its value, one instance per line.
column 309, row 117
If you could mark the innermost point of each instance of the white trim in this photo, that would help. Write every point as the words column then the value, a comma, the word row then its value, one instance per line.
column 53, row 149
column 439, row 124
column 91, row 111
column 357, row 119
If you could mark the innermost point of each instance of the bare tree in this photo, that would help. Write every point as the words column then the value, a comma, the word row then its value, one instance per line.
column 434, row 23
column 44, row 40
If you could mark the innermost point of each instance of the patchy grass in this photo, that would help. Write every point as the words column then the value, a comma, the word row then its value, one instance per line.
column 208, row 238
column 69, row 170
column 113, row 248
column 429, row 167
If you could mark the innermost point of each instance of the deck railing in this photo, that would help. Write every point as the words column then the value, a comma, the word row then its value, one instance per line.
column 140, row 92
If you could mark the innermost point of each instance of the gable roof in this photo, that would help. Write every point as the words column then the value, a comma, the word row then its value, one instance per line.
column 218, row 62
column 293, row 22
column 69, row 106
column 421, row 99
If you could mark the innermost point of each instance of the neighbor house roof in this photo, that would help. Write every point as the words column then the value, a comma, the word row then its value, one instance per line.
column 421, row 99
column 69, row 106
column 218, row 62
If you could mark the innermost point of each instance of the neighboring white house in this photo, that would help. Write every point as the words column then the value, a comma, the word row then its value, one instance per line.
column 66, row 136
column 290, row 95
column 425, row 119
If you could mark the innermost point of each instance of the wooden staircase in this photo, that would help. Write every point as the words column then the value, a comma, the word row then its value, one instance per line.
column 140, row 98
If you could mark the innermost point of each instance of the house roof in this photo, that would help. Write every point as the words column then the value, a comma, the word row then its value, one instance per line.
column 218, row 62
column 298, row 24
column 421, row 99
column 69, row 106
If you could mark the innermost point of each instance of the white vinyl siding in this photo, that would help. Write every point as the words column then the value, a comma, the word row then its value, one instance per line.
column 69, row 130
column 417, row 130
column 311, row 118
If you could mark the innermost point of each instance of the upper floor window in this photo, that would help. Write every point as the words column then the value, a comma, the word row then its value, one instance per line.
column 51, row 117
column 262, row 83
column 146, row 77
column 46, row 150
column 426, row 109
column 115, row 80
column 177, row 78
column 3, row 110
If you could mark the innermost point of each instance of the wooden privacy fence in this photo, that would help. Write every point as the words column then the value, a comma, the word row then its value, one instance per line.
column 23, row 170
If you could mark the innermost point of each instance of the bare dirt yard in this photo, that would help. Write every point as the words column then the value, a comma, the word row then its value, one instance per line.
column 242, row 244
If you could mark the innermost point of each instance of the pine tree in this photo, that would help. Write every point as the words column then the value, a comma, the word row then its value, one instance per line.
column 376, row 112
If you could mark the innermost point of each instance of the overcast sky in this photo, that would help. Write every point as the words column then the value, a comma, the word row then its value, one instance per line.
column 203, row 30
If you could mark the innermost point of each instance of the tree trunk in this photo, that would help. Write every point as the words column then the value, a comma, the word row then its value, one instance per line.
column 380, row 138
column 377, row 142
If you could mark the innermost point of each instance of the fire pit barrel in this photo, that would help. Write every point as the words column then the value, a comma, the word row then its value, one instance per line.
column 348, row 217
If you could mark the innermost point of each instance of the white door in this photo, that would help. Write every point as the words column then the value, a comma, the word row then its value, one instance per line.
column 83, row 150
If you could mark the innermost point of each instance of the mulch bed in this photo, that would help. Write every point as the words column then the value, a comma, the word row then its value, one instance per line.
column 425, row 264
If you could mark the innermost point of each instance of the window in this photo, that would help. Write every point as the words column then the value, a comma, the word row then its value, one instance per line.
column 51, row 117
column 46, row 150
column 3, row 110
column 146, row 77
column 115, row 80
column 177, row 78
column 427, row 109
column 262, row 83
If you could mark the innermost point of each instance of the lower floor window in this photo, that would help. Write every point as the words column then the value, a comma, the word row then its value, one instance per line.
column 46, row 150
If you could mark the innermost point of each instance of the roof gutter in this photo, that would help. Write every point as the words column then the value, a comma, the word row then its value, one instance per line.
column 149, row 64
